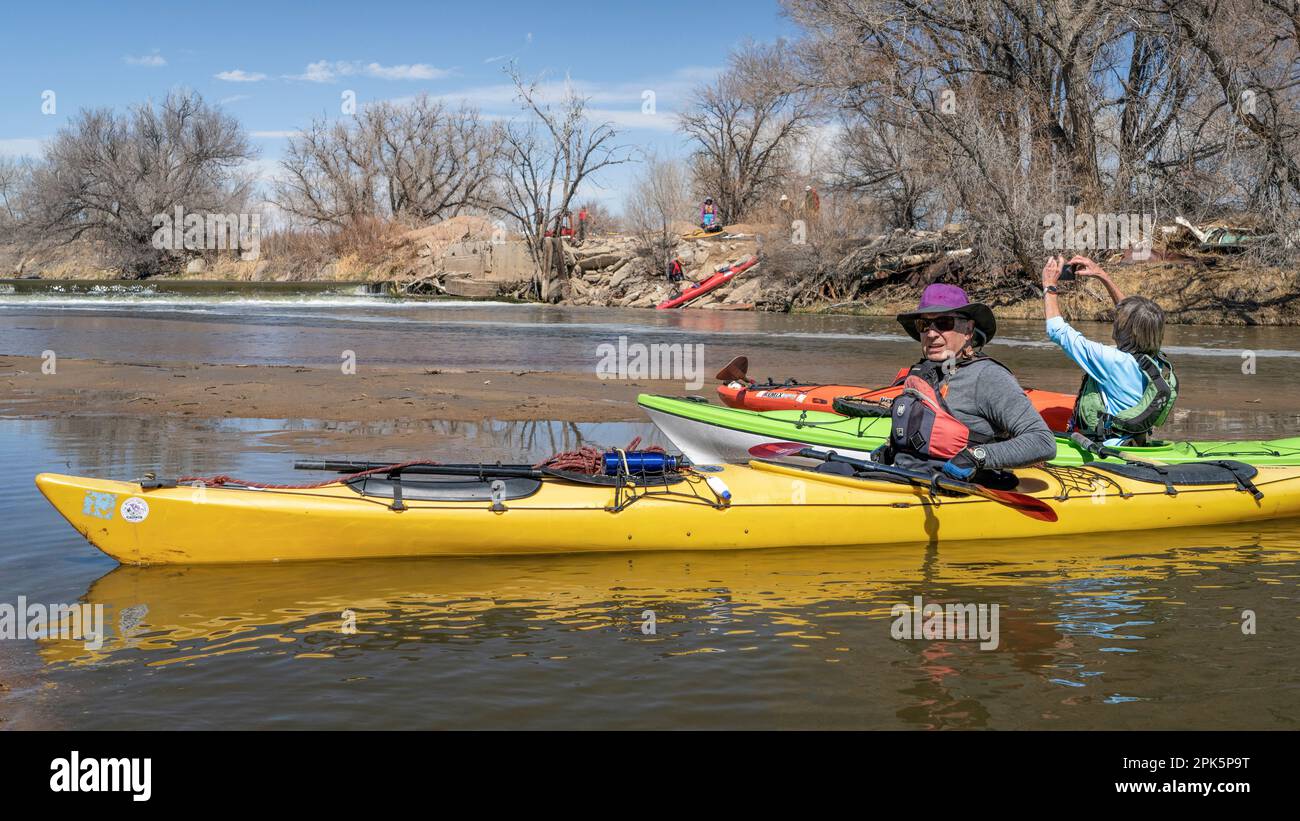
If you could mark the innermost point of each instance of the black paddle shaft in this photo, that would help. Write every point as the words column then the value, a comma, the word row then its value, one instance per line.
column 431, row 469
column 914, row 476
column 927, row 480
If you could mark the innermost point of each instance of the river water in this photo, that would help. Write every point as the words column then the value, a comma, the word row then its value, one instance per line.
column 1123, row 631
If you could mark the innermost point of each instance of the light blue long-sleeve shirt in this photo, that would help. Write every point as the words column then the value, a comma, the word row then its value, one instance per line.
column 1117, row 373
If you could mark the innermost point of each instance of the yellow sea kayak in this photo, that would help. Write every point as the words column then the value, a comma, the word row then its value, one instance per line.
column 770, row 505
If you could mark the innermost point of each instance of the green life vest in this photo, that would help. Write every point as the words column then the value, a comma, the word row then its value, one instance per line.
column 1093, row 420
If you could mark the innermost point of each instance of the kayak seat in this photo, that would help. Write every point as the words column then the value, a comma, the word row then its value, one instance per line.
column 452, row 489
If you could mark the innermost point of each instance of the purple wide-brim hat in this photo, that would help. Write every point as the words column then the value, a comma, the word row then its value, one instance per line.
column 941, row 298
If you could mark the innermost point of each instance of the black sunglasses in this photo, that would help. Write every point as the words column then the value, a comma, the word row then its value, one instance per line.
column 942, row 324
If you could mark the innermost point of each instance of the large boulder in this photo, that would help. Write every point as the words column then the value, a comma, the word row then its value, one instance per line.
column 744, row 291
column 623, row 275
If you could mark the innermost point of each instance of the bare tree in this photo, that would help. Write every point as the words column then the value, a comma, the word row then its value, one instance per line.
column 418, row 162
column 107, row 176
column 743, row 127
column 878, row 160
column 659, row 201
column 1251, row 54
column 15, row 177
column 546, row 158
column 997, row 113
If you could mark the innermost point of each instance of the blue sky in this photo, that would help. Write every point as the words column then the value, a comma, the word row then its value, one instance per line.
column 276, row 66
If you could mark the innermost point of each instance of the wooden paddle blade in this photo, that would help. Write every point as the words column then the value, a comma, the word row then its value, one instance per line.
column 773, row 450
column 734, row 371
column 1028, row 505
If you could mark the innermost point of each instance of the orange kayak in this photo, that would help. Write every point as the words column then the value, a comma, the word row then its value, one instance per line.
column 1055, row 407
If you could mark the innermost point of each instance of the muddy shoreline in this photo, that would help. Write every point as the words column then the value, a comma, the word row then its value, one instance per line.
column 93, row 387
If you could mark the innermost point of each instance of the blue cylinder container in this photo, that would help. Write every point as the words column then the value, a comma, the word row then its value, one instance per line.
column 639, row 461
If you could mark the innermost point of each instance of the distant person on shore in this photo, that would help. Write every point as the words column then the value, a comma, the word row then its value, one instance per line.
column 1129, row 388
column 708, row 214
column 812, row 203
column 676, row 274
column 582, row 225
column 961, row 413
column 786, row 207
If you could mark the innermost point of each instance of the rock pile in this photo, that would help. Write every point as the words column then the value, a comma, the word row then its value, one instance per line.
column 614, row 272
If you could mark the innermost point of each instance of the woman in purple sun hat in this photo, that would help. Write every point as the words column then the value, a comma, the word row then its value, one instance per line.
column 961, row 411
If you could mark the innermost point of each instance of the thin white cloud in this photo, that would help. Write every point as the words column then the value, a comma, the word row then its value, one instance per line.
column 234, row 98
column 633, row 118
column 326, row 71
column 240, row 76
column 414, row 71
column 154, row 60
column 318, row 72
column 20, row 147
column 621, row 103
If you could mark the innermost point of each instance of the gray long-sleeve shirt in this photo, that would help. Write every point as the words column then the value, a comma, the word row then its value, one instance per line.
column 986, row 398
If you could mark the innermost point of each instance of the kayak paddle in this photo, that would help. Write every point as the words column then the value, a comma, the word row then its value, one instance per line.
column 734, row 371
column 430, row 469
column 1028, row 505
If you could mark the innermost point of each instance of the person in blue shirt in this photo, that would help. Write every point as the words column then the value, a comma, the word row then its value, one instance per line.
column 1129, row 387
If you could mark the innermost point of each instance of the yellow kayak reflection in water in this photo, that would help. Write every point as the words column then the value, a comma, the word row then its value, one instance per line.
column 186, row 613
column 808, row 632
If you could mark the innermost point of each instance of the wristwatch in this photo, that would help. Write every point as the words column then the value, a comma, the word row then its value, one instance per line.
column 1051, row 289
column 979, row 454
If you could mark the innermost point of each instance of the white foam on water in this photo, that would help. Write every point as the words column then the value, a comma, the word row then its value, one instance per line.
column 143, row 299
column 173, row 302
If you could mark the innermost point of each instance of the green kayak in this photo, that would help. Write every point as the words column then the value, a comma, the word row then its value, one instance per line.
column 713, row 434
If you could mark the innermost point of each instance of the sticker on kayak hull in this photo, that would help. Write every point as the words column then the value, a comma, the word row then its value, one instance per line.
column 135, row 510
column 99, row 505
column 707, row 468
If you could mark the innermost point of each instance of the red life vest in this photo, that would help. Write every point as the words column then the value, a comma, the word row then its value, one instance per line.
column 921, row 422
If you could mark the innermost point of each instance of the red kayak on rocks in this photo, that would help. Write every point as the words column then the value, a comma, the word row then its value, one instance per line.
column 717, row 280
column 737, row 391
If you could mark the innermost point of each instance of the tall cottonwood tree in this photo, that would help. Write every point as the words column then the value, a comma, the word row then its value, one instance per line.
column 997, row 113
column 417, row 162
column 107, row 175
column 547, row 156
column 744, row 126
